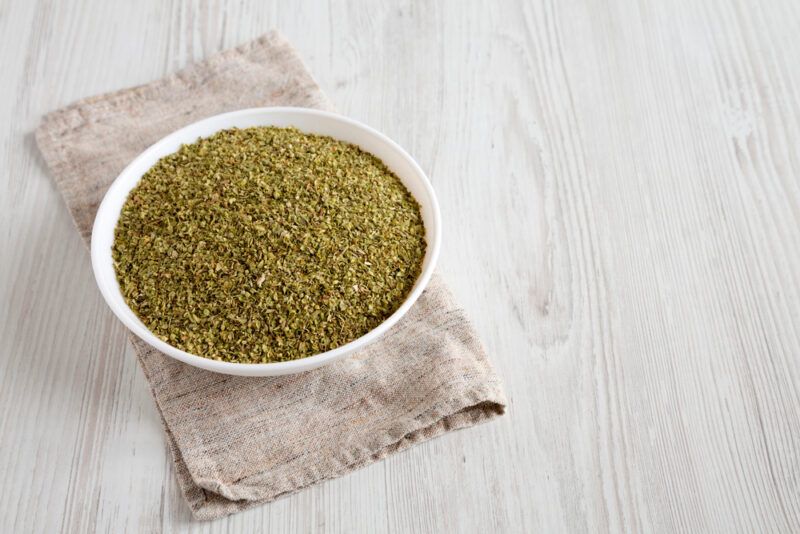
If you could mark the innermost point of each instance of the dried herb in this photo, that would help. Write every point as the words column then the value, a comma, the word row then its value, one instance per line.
column 267, row 244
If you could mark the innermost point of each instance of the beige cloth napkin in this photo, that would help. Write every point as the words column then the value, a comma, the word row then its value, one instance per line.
column 236, row 441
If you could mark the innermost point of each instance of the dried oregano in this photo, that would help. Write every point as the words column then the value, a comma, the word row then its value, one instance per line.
column 267, row 244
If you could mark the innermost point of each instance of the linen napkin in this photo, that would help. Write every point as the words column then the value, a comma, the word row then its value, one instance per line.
column 239, row 441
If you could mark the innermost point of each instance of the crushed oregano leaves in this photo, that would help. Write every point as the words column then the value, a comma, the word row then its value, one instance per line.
column 267, row 244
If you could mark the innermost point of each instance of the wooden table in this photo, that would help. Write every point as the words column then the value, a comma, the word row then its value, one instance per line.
column 621, row 190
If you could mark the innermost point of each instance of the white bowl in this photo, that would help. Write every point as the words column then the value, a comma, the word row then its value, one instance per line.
column 306, row 120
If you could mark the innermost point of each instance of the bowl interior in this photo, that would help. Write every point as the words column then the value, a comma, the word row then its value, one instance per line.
column 310, row 121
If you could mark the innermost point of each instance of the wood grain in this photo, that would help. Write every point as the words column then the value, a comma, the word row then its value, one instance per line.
column 620, row 186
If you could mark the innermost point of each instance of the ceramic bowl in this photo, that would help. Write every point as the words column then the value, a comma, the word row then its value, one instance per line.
column 306, row 120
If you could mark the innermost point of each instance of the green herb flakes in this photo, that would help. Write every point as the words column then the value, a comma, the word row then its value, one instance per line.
column 267, row 244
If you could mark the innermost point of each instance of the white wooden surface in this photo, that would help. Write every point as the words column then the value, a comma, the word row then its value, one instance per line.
column 621, row 186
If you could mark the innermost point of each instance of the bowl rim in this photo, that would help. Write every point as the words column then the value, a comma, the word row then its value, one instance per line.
column 109, row 289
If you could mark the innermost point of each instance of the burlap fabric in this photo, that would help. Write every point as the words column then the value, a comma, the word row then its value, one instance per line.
column 238, row 442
